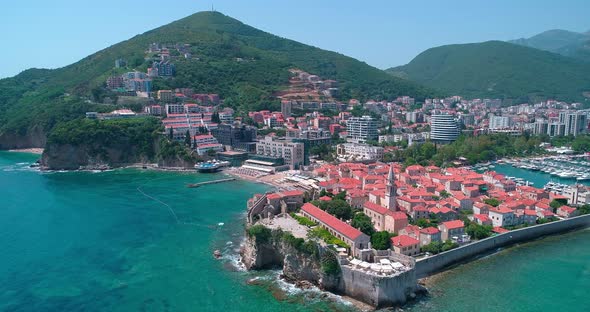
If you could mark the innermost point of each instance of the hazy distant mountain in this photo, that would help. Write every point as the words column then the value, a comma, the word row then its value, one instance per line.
column 564, row 42
column 498, row 69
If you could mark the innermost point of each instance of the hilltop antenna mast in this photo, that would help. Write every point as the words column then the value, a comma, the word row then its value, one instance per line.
column 212, row 8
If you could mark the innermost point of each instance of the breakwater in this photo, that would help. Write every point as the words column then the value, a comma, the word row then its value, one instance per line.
column 444, row 260
column 194, row 185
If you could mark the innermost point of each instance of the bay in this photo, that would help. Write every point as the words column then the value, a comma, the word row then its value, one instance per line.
column 129, row 240
column 83, row 241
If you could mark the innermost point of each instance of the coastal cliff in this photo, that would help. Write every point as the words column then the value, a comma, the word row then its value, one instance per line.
column 305, row 262
column 93, row 144
column 33, row 138
column 300, row 260
column 73, row 157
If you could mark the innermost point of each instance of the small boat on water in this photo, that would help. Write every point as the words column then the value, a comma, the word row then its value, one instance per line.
column 211, row 166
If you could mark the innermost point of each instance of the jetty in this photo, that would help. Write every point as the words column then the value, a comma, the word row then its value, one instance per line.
column 194, row 185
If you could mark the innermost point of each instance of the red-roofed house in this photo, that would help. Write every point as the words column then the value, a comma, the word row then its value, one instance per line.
column 482, row 219
column 405, row 245
column 529, row 216
column 420, row 212
column 443, row 213
column 376, row 213
column 533, row 193
column 502, row 217
column 500, row 230
column 325, row 198
column 481, row 208
column 395, row 221
column 429, row 235
column 415, row 170
column 293, row 199
column 545, row 214
column 451, row 228
column 567, row 212
column 356, row 197
column 540, row 206
column 411, row 230
column 356, row 239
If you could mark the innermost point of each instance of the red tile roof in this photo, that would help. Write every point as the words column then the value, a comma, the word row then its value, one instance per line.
column 376, row 208
column 404, row 241
column 455, row 224
column 331, row 221
column 567, row 209
column 482, row 217
column 293, row 193
column 274, row 196
column 530, row 212
column 429, row 230
column 500, row 230
column 501, row 210
column 398, row 215
column 325, row 198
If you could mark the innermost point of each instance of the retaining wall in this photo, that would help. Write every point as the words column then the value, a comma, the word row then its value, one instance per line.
column 439, row 262
column 378, row 291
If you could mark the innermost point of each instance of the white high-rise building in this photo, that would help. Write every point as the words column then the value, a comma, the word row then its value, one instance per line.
column 575, row 122
column 443, row 128
column 361, row 129
column 292, row 153
column 500, row 122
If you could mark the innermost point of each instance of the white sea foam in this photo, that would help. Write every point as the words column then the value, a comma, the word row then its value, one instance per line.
column 312, row 293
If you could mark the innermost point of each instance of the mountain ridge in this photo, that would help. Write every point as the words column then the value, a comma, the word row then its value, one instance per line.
column 45, row 97
column 498, row 69
column 564, row 42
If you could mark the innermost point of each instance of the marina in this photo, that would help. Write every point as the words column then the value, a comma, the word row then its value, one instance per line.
column 554, row 173
column 564, row 167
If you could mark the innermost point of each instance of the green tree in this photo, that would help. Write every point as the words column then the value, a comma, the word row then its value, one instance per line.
column 341, row 196
column 362, row 222
column 339, row 208
column 492, row 202
column 423, row 223
column 381, row 240
column 187, row 138
column 477, row 231
column 556, row 203
column 433, row 248
column 448, row 245
column 215, row 118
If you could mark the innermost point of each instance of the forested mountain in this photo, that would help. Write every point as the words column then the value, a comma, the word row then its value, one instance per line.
column 499, row 69
column 242, row 64
column 564, row 42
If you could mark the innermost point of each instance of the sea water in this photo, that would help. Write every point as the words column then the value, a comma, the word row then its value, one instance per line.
column 129, row 240
column 139, row 240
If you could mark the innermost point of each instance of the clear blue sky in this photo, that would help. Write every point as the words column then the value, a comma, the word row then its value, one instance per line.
column 383, row 33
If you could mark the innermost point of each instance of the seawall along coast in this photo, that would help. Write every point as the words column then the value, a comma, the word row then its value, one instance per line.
column 442, row 261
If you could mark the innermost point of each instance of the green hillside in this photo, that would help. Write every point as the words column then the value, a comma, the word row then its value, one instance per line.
column 499, row 70
column 41, row 98
column 564, row 42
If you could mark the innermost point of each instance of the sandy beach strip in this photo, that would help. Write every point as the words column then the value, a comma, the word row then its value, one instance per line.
column 33, row 150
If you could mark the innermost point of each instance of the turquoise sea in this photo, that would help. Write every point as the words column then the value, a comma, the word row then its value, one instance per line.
column 133, row 240
column 83, row 241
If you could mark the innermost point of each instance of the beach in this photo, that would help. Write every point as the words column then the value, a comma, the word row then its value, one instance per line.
column 32, row 150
